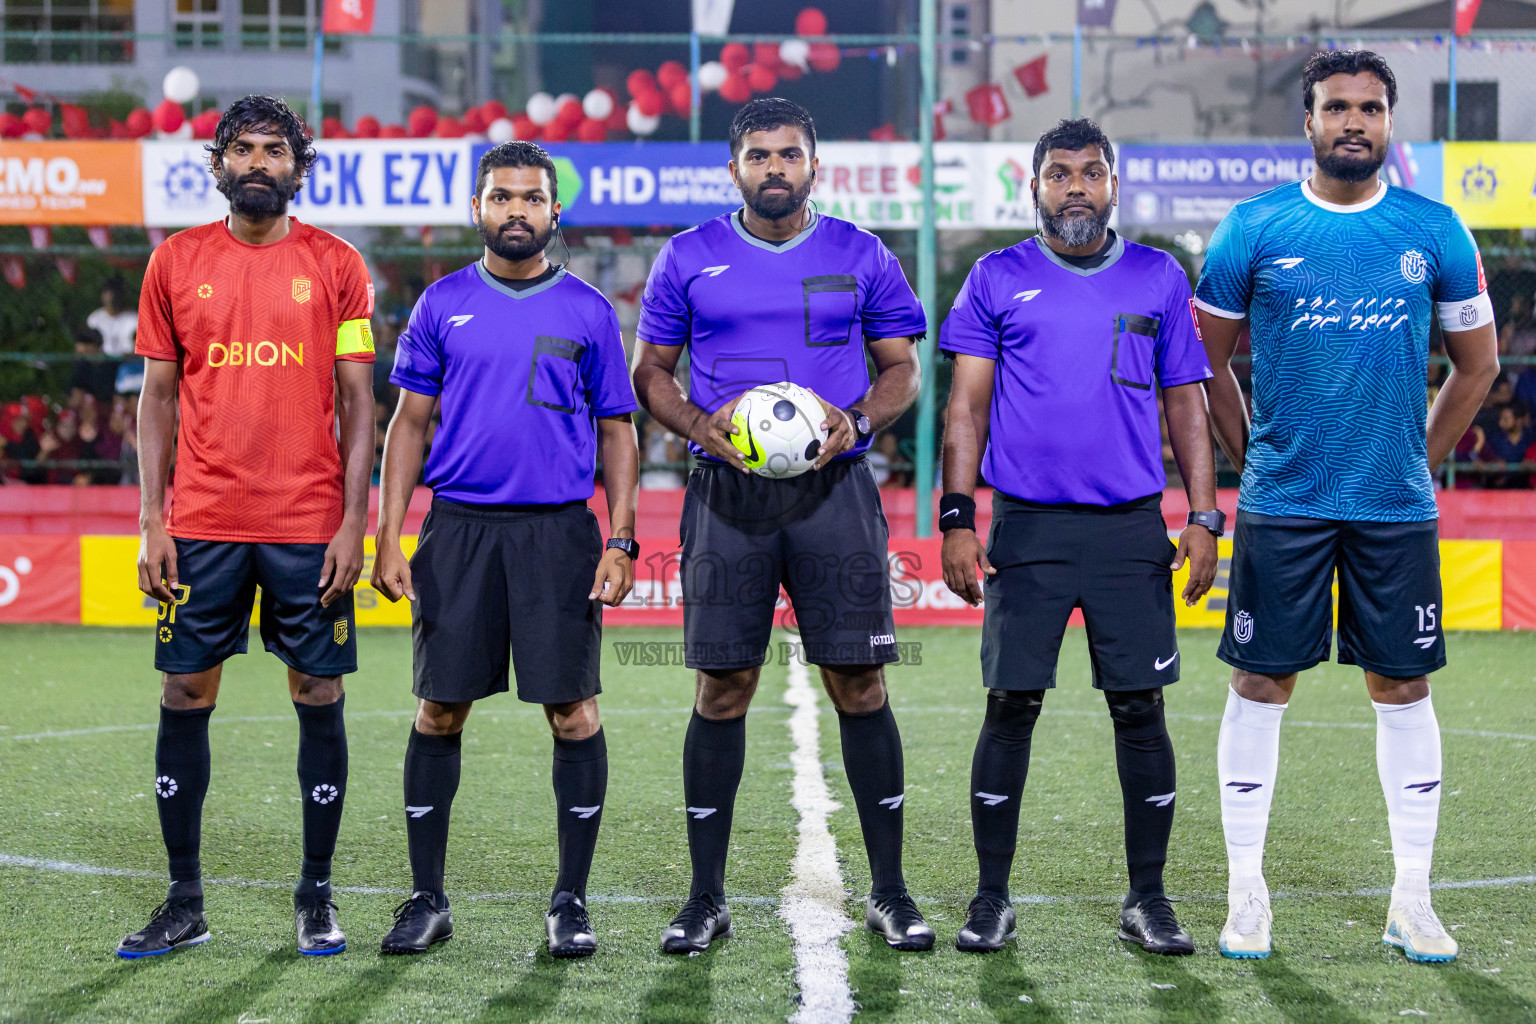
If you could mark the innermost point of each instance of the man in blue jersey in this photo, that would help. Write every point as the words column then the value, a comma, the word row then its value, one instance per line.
column 526, row 363
column 777, row 292
column 1337, row 278
column 1076, row 326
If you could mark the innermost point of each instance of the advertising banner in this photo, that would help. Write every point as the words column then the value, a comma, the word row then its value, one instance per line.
column 354, row 182
column 1492, row 184
column 70, row 183
column 40, row 578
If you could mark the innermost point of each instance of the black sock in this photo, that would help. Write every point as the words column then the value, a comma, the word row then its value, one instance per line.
column 713, row 755
column 872, row 760
column 998, row 770
column 181, row 781
column 322, row 787
column 581, row 783
column 1144, row 756
column 431, row 780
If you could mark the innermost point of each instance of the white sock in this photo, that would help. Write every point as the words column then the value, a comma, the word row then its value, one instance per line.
column 1247, row 760
column 1408, row 761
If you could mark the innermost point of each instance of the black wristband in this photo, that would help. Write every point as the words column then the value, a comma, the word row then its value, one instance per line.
column 957, row 512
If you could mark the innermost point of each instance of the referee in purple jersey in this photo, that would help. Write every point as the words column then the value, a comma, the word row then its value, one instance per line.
column 527, row 365
column 1060, row 344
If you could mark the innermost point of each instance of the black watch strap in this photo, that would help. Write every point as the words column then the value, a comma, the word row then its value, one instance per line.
column 1214, row 520
column 628, row 545
column 861, row 425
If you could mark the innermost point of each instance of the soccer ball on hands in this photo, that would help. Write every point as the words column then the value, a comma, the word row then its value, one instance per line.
column 779, row 429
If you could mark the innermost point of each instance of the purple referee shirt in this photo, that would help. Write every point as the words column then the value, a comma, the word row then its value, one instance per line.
column 1079, row 352
column 752, row 312
column 522, row 374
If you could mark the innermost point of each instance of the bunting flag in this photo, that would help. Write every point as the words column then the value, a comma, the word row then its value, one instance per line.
column 1031, row 77
column 1466, row 14
column 42, row 235
column 348, row 17
column 15, row 271
column 67, row 265
column 987, row 104
column 157, row 236
column 101, row 236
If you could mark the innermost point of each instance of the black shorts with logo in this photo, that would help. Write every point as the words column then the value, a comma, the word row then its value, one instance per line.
column 504, row 587
column 1111, row 561
column 216, row 585
column 1280, row 604
column 821, row 535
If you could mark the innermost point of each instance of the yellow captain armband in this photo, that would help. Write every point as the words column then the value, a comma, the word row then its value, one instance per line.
column 354, row 336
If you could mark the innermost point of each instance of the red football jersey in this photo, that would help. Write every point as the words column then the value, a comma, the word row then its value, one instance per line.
column 257, row 331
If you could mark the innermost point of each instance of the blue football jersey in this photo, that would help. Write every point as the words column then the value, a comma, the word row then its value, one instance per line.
column 1338, row 300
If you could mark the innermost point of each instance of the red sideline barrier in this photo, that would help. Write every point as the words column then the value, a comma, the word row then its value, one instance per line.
column 1519, row 584
column 1485, row 515
column 39, row 579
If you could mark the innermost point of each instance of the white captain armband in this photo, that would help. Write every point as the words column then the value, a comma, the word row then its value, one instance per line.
column 1466, row 314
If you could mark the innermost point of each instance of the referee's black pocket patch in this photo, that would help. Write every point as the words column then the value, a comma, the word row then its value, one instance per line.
column 1135, row 338
column 554, row 379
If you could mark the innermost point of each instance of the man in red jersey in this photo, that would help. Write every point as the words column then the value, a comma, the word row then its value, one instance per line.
column 261, row 322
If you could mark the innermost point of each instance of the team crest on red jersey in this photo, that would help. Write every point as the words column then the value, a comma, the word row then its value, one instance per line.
column 301, row 289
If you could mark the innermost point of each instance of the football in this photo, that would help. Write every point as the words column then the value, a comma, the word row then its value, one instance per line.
column 779, row 429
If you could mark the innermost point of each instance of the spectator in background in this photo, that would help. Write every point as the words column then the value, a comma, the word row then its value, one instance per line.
column 89, row 376
column 22, row 444
column 1510, row 442
column 121, row 425
column 117, row 322
column 62, row 444
column 1500, row 395
column 661, row 445
column 886, row 461
column 1518, row 335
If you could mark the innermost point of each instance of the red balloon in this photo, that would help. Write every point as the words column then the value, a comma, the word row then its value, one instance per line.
column 766, row 55
column 790, row 72
column 394, row 131
column 330, row 128
column 681, row 96
column 40, row 121
column 761, row 79
column 639, row 82
column 77, row 123
column 140, row 123
column 557, row 131
column 651, row 104
column 421, row 122
column 825, row 56
column 115, row 129
column 523, row 128
column 570, row 114
column 367, row 127
column 811, row 22
column 670, row 73
column 493, row 110
column 206, row 123
column 735, row 56
column 618, row 121
column 11, row 127
column 591, row 131
column 169, row 116
column 474, row 120
column 449, row 128
column 735, row 89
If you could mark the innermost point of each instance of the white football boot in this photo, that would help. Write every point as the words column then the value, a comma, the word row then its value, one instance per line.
column 1246, row 935
column 1414, row 928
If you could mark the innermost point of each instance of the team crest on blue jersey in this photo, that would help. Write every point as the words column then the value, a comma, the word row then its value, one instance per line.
column 1415, row 267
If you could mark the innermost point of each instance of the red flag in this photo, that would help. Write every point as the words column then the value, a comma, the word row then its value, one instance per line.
column 101, row 236
column 1466, row 14
column 987, row 104
column 1031, row 77
column 344, row 17
column 67, row 266
column 156, row 235
column 15, row 271
column 42, row 235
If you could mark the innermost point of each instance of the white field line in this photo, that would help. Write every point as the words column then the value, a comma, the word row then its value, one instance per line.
column 64, row 867
column 812, row 902
column 977, row 710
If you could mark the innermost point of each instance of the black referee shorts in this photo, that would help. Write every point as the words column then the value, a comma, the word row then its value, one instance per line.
column 1112, row 562
column 821, row 535
column 210, row 619
column 505, row 586
column 1280, row 601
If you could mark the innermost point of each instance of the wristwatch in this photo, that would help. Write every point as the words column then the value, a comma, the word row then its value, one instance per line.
column 627, row 545
column 1214, row 520
column 861, row 425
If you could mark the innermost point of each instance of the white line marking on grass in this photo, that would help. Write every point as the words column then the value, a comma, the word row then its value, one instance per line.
column 812, row 902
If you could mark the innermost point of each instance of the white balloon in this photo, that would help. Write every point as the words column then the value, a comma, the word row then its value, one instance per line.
column 181, row 84
column 712, row 75
column 564, row 98
column 597, row 105
column 499, row 130
column 541, row 108
column 639, row 123
column 795, row 51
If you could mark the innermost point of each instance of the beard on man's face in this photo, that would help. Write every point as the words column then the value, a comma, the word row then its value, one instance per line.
column 514, row 245
column 249, row 199
column 1075, row 229
column 779, row 205
column 1349, row 164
